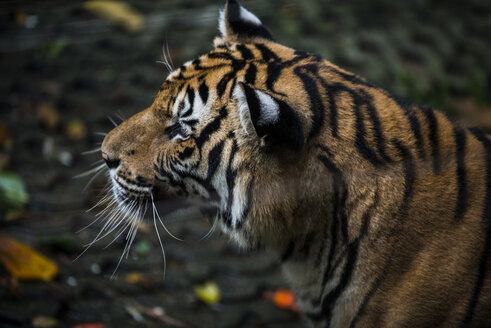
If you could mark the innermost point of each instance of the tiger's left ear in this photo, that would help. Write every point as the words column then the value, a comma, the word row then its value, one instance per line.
column 237, row 24
column 272, row 120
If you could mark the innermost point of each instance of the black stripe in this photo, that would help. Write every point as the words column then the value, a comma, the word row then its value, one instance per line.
column 433, row 137
column 210, row 128
column 360, row 141
column 272, row 74
column 460, row 140
column 190, row 94
column 413, row 123
column 266, row 53
column 220, row 55
column 379, row 136
column 254, row 107
column 409, row 176
column 409, row 179
column 486, row 216
column 230, row 178
column 245, row 52
column 191, row 122
column 368, row 296
column 247, row 208
column 338, row 181
column 214, row 160
column 222, row 84
column 250, row 76
column 333, row 109
column 328, row 302
column 354, row 79
column 310, row 87
column 203, row 92
column 186, row 153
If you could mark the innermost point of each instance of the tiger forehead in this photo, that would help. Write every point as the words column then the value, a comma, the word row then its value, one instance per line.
column 227, row 54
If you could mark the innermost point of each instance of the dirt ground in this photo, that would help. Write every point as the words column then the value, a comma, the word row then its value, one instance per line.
column 64, row 70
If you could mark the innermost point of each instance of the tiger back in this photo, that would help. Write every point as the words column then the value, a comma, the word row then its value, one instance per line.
column 379, row 209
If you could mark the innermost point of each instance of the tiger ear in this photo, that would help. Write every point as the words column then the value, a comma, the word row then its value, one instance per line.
column 237, row 24
column 272, row 120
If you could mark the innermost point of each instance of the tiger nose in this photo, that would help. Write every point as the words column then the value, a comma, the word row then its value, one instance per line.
column 112, row 163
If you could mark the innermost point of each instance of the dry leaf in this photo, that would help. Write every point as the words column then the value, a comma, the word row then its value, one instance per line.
column 48, row 115
column 25, row 263
column 284, row 299
column 76, row 129
column 208, row 292
column 44, row 322
column 134, row 278
column 117, row 12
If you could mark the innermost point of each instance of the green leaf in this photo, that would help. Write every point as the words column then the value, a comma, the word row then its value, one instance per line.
column 13, row 195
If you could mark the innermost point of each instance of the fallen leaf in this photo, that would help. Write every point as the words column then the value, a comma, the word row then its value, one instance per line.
column 4, row 161
column 208, row 292
column 13, row 195
column 76, row 129
column 44, row 322
column 284, row 299
column 48, row 115
column 5, row 138
column 134, row 313
column 25, row 263
column 142, row 248
column 117, row 12
column 134, row 278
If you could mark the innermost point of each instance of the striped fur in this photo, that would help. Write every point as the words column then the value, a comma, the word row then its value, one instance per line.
column 380, row 210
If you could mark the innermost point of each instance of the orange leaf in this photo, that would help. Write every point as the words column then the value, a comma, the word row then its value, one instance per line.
column 284, row 299
column 25, row 263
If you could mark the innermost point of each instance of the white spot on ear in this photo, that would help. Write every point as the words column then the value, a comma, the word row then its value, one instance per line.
column 270, row 110
column 244, row 113
column 221, row 23
column 247, row 16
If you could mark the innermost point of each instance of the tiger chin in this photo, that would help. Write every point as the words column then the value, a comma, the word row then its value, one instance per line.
column 379, row 209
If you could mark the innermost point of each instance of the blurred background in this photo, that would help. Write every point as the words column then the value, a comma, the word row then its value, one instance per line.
column 68, row 65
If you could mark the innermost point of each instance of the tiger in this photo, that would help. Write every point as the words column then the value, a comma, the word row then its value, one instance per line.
column 378, row 209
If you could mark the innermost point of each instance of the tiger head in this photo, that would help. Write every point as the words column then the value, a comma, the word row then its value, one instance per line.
column 231, row 128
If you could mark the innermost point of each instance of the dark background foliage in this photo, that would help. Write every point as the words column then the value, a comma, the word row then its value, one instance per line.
column 63, row 69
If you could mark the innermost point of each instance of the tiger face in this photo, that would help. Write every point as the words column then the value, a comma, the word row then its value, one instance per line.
column 215, row 126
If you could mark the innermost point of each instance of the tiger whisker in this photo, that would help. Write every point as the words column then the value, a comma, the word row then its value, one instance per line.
column 93, row 151
column 212, row 229
column 168, row 54
column 103, row 134
column 127, row 246
column 160, row 220
column 112, row 121
column 158, row 237
column 89, row 172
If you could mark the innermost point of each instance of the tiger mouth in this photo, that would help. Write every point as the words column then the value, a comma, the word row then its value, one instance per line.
column 127, row 191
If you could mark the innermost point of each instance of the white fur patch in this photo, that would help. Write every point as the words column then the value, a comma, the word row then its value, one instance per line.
column 247, row 16
column 244, row 113
column 270, row 110
column 221, row 23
